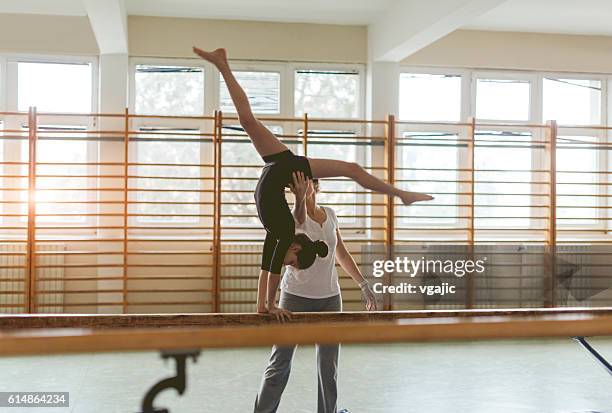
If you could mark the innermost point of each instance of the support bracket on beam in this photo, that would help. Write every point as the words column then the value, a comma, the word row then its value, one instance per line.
column 177, row 382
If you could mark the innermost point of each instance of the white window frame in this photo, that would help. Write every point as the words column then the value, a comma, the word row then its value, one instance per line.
column 212, row 88
column 466, row 80
column 359, row 68
column 466, row 106
column 250, row 66
column 11, row 76
column 579, row 76
column 589, row 130
column 469, row 76
column 10, row 99
column 209, row 73
column 535, row 88
column 208, row 108
column 362, row 153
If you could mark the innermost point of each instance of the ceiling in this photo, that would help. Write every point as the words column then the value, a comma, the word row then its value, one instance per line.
column 548, row 16
column 57, row 7
column 359, row 12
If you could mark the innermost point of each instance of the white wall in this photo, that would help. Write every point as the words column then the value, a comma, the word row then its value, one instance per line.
column 518, row 51
column 27, row 33
column 174, row 37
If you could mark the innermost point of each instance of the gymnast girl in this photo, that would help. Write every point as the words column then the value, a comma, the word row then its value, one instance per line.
column 282, row 245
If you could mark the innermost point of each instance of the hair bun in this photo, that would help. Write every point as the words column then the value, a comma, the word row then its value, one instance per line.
column 321, row 248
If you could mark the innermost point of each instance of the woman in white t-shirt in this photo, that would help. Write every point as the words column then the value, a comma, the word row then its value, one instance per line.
column 313, row 289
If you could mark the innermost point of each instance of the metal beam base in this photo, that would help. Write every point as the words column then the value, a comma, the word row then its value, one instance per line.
column 600, row 359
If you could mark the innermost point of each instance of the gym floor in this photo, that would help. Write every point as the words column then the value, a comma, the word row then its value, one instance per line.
column 510, row 376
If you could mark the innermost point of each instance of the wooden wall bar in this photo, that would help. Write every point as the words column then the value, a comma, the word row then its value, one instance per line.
column 133, row 245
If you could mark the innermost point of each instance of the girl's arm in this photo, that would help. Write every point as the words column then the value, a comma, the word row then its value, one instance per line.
column 346, row 261
column 262, row 289
column 280, row 313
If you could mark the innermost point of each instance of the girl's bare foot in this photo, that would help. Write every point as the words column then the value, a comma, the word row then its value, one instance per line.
column 217, row 57
column 412, row 197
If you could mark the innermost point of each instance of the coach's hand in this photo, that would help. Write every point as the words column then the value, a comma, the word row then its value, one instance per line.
column 369, row 296
column 300, row 185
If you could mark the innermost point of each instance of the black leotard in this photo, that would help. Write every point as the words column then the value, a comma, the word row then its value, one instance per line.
column 272, row 206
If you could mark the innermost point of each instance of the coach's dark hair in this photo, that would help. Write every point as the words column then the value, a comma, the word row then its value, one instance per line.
column 310, row 250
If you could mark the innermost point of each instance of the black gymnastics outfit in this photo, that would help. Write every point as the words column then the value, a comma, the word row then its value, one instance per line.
column 272, row 207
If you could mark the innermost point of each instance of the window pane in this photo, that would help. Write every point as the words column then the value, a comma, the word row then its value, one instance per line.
column 429, row 162
column 578, row 183
column 572, row 101
column 262, row 88
column 327, row 94
column 239, row 178
column 332, row 144
column 169, row 90
column 503, row 173
column 54, row 87
column 64, row 158
column 169, row 191
column 502, row 99
column 430, row 97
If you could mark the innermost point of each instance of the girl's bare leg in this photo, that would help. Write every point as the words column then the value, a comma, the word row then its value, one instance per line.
column 329, row 168
column 265, row 142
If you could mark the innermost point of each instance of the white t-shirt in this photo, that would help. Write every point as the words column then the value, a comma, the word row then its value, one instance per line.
column 321, row 279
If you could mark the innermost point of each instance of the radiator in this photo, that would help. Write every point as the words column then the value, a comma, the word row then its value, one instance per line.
column 13, row 276
column 50, row 278
column 240, row 264
column 573, row 284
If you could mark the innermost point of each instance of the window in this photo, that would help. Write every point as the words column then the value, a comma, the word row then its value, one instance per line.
column 169, row 90
column 503, row 99
column 578, row 183
column 55, row 87
column 429, row 162
column 62, row 158
column 173, row 155
column 572, row 101
column 503, row 176
column 342, row 194
column 430, row 97
column 327, row 93
column 241, row 169
column 262, row 88
column 60, row 86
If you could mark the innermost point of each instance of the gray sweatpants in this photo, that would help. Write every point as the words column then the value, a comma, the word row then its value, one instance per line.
column 276, row 374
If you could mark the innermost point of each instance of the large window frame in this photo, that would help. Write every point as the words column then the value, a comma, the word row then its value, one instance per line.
column 535, row 88
column 172, row 123
column 10, row 103
column 466, row 103
column 212, row 86
column 247, row 66
column 469, row 77
column 340, row 67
